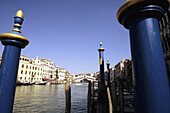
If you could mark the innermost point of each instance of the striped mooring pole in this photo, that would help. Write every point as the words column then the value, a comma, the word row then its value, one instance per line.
column 151, row 89
column 13, row 43
column 101, row 61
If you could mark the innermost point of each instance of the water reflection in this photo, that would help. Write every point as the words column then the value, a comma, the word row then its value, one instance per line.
column 40, row 98
column 79, row 98
column 51, row 99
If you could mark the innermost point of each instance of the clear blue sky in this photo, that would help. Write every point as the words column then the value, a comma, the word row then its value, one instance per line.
column 69, row 31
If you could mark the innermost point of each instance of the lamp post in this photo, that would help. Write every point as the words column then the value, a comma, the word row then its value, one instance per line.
column 13, row 43
column 151, row 83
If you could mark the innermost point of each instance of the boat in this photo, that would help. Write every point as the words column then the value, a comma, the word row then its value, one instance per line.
column 23, row 83
column 78, row 84
column 48, row 83
column 41, row 83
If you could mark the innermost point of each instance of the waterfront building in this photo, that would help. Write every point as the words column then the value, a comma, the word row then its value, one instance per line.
column 28, row 71
column 38, row 70
column 62, row 75
column 69, row 76
column 164, row 25
column 123, row 69
column 49, row 68
column 119, row 68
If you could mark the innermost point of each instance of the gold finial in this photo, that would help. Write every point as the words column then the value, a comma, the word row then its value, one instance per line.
column 101, row 49
column 18, row 19
column 19, row 14
column 108, row 62
column 100, row 44
column 15, row 35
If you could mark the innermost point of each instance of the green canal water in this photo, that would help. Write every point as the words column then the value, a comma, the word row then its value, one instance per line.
column 49, row 99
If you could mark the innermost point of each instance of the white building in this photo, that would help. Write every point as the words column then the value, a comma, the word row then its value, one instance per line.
column 61, row 75
column 49, row 68
column 28, row 71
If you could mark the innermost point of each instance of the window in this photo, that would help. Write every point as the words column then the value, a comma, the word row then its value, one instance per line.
column 26, row 66
column 38, row 73
column 35, row 73
column 21, row 71
column 30, row 73
column 30, row 67
column 25, row 72
column 22, row 65
column 33, row 67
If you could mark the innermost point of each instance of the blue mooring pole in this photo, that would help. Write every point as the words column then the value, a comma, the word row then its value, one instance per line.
column 108, row 74
column 13, row 43
column 151, row 83
column 101, row 61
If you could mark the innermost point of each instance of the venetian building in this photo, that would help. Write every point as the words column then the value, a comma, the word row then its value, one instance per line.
column 164, row 25
column 49, row 68
column 62, row 75
column 28, row 71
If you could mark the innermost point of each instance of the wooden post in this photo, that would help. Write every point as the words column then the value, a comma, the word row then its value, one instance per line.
column 110, row 100
column 121, row 105
column 89, row 97
column 68, row 97
column 114, row 93
column 93, row 91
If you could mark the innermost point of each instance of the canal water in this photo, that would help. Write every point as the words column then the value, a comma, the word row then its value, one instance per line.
column 49, row 99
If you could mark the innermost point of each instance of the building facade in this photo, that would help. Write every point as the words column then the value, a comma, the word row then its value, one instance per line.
column 49, row 68
column 164, row 25
column 28, row 71
column 62, row 75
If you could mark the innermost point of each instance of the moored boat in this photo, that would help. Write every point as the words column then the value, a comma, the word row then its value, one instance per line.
column 41, row 83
